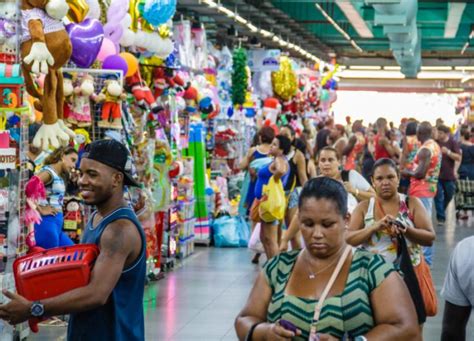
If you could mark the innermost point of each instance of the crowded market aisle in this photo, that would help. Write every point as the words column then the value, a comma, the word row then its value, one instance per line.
column 200, row 300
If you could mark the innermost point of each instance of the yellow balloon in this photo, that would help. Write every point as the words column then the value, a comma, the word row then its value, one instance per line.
column 78, row 10
column 132, row 63
column 135, row 14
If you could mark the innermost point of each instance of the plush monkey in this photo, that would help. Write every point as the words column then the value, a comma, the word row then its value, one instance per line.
column 45, row 48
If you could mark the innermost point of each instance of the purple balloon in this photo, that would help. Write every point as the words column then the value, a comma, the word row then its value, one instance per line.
column 86, row 39
column 115, row 62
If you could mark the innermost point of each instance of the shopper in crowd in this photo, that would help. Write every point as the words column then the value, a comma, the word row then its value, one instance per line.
column 376, row 222
column 466, row 168
column 395, row 143
column 338, row 138
column 383, row 145
column 355, row 147
column 323, row 135
column 296, row 179
column 425, row 172
column 260, row 151
column 279, row 168
column 291, row 284
column 357, row 188
column 447, row 175
column 36, row 156
column 410, row 148
column 58, row 167
column 368, row 157
column 458, row 292
column 110, row 307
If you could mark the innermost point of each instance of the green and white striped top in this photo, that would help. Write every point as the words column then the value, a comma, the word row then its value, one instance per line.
column 349, row 312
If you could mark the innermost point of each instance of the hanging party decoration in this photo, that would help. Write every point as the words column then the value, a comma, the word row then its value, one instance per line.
column 239, row 76
column 107, row 49
column 78, row 10
column 158, row 12
column 115, row 62
column 285, row 83
column 132, row 63
column 115, row 14
column 94, row 9
column 86, row 39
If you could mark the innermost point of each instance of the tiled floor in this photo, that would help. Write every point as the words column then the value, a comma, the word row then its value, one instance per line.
column 200, row 300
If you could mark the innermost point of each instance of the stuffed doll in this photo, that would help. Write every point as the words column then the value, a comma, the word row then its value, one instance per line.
column 142, row 92
column 34, row 191
column 112, row 95
column 68, row 90
column 166, row 79
column 73, row 218
column 45, row 48
column 81, row 140
column 83, row 94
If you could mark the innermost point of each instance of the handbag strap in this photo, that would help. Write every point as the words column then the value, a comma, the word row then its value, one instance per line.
column 319, row 306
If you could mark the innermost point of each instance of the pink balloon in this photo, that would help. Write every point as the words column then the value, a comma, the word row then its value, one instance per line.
column 107, row 49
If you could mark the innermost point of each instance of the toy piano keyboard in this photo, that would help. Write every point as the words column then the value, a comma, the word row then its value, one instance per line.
column 53, row 272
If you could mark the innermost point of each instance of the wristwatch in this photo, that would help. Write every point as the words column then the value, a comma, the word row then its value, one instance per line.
column 360, row 338
column 37, row 309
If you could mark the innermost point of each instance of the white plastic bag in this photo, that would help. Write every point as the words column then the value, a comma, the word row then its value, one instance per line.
column 254, row 243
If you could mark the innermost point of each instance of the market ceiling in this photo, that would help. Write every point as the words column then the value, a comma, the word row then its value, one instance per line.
column 355, row 31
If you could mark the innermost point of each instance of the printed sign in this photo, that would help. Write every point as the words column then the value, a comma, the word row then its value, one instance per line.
column 7, row 158
column 264, row 60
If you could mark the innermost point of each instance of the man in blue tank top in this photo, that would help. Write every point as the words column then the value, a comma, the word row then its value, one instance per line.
column 110, row 307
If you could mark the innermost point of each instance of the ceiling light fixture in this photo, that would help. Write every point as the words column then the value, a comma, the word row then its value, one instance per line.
column 464, row 68
column 226, row 11
column 392, row 68
column 440, row 75
column 436, row 68
column 240, row 19
column 371, row 74
column 265, row 33
column 464, row 48
column 364, row 67
column 252, row 27
column 338, row 28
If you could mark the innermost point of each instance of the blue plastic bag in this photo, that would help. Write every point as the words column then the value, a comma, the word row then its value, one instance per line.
column 244, row 231
column 225, row 231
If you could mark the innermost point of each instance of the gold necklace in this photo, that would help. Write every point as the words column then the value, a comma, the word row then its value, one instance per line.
column 312, row 275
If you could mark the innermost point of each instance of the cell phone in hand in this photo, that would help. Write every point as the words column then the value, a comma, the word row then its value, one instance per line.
column 288, row 326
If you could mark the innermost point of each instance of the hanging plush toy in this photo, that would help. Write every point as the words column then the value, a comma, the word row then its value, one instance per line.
column 191, row 95
column 271, row 110
column 166, row 79
column 83, row 93
column 112, row 96
column 45, row 48
column 73, row 218
column 142, row 92
column 34, row 191
column 68, row 89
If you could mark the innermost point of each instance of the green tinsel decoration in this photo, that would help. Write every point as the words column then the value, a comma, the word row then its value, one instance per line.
column 239, row 76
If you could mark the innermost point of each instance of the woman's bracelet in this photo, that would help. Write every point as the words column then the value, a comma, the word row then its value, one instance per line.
column 251, row 330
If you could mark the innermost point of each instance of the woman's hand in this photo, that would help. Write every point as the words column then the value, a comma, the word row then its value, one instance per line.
column 326, row 337
column 349, row 188
column 385, row 224
column 47, row 210
column 284, row 245
column 275, row 332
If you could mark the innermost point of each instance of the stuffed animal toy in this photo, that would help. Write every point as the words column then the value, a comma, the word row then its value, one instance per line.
column 112, row 95
column 166, row 79
column 45, row 48
column 68, row 91
column 34, row 191
column 73, row 218
column 83, row 93
column 142, row 92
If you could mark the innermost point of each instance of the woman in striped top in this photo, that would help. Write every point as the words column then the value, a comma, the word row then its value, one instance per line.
column 291, row 283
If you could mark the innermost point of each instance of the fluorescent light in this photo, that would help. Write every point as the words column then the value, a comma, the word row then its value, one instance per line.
column 240, row 19
column 440, row 75
column 276, row 39
column 436, row 68
column 265, row 33
column 455, row 11
column 252, row 27
column 226, row 11
column 371, row 74
column 357, row 47
column 466, row 78
column 354, row 17
column 464, row 48
column 283, row 43
column 392, row 68
column 464, row 68
column 364, row 67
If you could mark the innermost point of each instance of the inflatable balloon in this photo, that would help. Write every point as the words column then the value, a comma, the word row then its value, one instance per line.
column 107, row 49
column 86, row 39
column 132, row 63
column 324, row 95
column 78, row 10
column 115, row 62
column 157, row 12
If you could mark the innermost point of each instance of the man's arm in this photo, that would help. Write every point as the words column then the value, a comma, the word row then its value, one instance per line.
column 424, row 156
column 454, row 322
column 117, row 244
column 349, row 146
column 385, row 142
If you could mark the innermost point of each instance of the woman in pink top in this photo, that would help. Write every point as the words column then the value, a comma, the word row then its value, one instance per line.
column 355, row 147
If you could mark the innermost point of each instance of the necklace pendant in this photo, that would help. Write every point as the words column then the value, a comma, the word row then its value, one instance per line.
column 312, row 276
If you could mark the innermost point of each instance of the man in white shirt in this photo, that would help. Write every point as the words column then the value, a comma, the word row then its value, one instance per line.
column 458, row 291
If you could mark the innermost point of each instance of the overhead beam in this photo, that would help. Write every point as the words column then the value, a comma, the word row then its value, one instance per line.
column 455, row 12
column 353, row 15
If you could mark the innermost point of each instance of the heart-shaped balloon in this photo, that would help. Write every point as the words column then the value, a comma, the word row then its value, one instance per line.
column 86, row 39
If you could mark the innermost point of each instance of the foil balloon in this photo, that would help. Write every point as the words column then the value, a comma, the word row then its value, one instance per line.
column 78, row 10
column 285, row 83
column 86, row 39
column 158, row 12
column 134, row 14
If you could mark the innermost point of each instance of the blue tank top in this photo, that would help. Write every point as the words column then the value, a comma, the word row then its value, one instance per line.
column 264, row 175
column 55, row 190
column 121, row 318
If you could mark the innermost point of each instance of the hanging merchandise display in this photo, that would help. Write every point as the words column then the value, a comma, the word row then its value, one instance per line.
column 239, row 76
